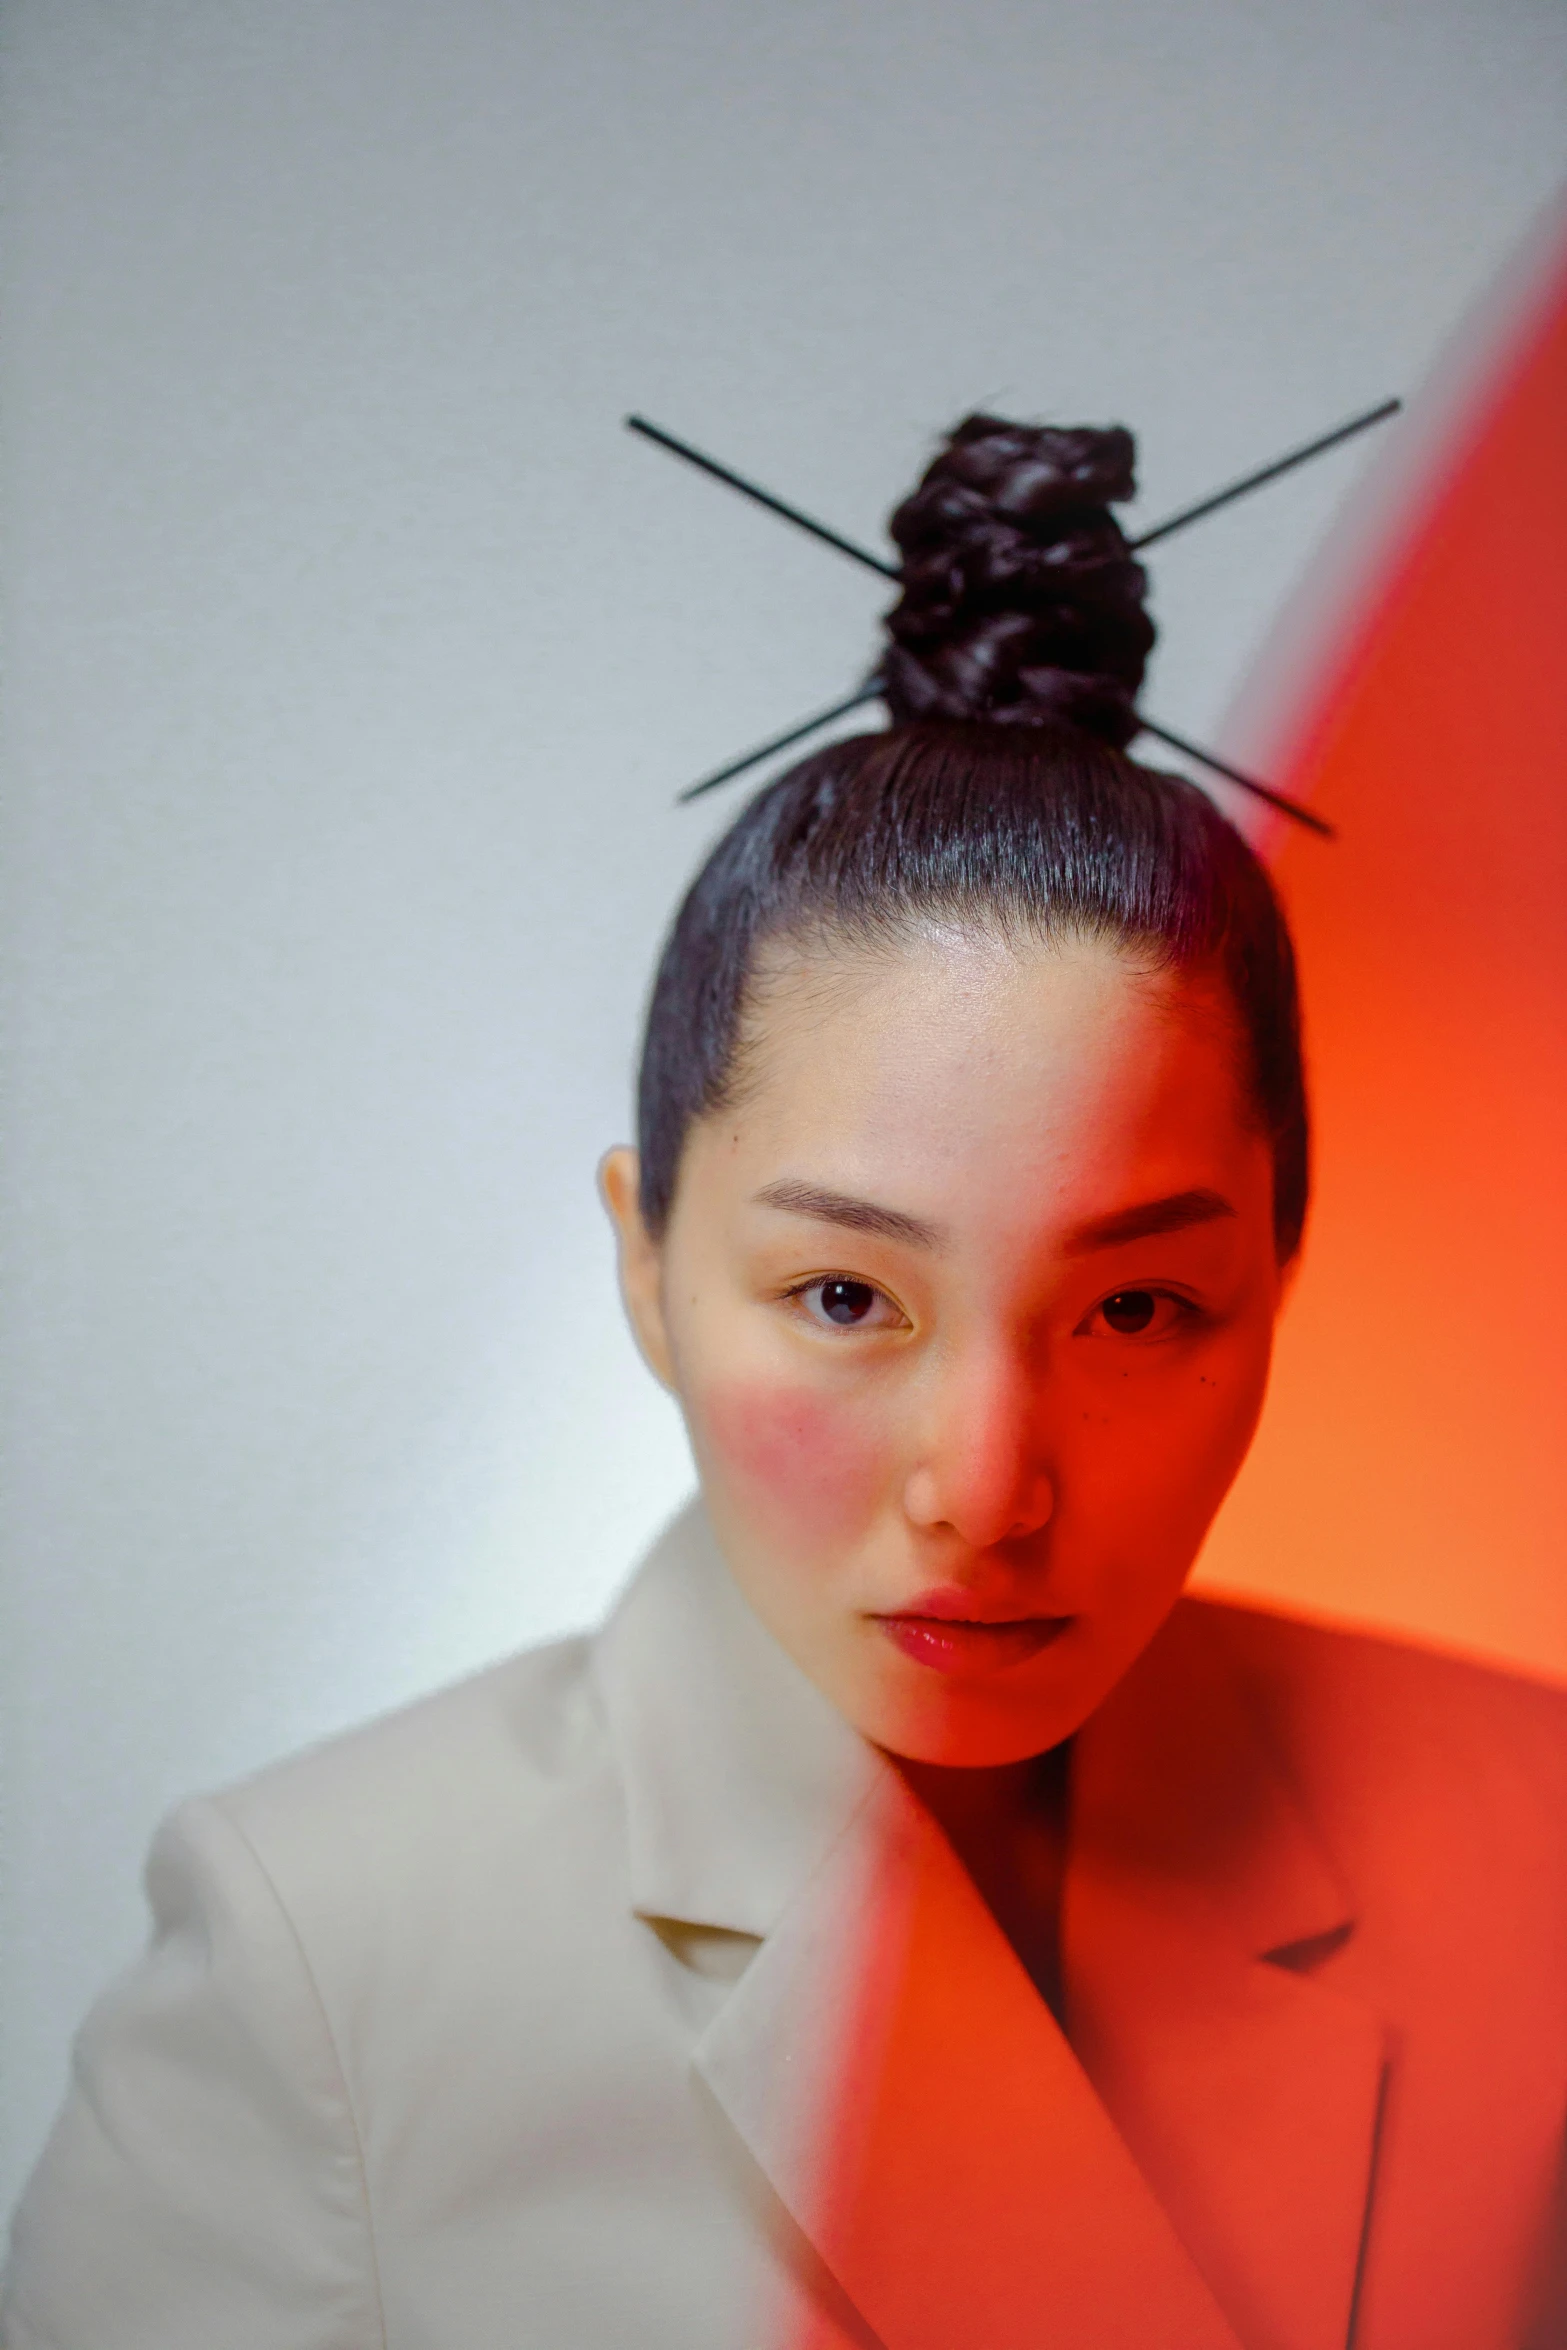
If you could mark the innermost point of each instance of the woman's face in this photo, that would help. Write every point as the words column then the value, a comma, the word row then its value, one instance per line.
column 968, row 1304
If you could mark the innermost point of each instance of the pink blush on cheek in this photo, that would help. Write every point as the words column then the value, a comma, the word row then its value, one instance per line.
column 815, row 1465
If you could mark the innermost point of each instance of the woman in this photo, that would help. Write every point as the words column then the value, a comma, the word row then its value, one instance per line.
column 908, row 1921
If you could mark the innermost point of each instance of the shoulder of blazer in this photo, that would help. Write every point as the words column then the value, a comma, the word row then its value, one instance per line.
column 1317, row 1669
column 422, row 1802
column 1442, row 1770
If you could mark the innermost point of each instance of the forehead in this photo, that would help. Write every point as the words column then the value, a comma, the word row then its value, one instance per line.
column 963, row 1074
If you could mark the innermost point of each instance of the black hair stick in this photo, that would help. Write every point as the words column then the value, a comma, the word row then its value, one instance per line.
column 753, row 490
column 872, row 690
column 1266, row 473
column 1275, row 799
column 782, row 742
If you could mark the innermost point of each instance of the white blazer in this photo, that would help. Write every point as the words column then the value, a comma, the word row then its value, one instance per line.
column 622, row 1996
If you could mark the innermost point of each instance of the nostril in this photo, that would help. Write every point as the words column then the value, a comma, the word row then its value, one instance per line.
column 981, row 1470
column 982, row 1511
column 1039, row 1513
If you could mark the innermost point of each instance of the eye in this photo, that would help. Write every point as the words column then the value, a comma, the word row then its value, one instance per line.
column 838, row 1302
column 1138, row 1313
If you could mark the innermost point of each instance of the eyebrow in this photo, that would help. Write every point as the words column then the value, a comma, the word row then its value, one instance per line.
column 856, row 1215
column 1173, row 1214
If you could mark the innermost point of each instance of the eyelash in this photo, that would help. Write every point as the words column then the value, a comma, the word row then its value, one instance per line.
column 1186, row 1312
column 819, row 1281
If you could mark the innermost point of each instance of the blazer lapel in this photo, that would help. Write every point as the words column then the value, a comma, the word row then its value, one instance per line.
column 1190, row 2173
column 1201, row 1922
column 895, row 2074
column 738, row 1773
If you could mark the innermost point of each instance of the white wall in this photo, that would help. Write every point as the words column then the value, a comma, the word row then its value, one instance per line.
column 353, row 655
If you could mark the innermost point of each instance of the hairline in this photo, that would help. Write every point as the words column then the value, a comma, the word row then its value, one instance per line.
column 811, row 946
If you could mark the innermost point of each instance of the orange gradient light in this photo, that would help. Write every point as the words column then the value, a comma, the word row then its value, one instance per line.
column 1411, row 1470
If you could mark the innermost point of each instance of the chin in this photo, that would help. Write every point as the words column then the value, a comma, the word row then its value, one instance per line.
column 971, row 1747
column 978, row 1721
column 967, row 1729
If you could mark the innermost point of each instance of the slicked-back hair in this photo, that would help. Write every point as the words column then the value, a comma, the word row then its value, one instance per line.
column 1040, row 831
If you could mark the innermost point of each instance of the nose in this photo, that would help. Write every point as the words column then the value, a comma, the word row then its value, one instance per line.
column 983, row 1469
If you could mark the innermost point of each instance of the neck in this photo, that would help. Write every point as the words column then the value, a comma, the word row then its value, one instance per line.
column 1009, row 1828
column 983, row 1802
column 995, row 1804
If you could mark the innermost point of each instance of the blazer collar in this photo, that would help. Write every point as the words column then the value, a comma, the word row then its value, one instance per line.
column 1202, row 2149
column 738, row 1772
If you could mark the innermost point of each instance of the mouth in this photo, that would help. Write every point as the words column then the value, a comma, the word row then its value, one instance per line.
column 969, row 1645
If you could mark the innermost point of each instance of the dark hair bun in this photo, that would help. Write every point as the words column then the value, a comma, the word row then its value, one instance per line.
column 1021, row 600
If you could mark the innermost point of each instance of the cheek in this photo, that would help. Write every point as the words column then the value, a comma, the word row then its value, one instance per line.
column 1159, row 1457
column 816, row 1465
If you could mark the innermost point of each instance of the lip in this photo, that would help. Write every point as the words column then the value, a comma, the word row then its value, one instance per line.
column 946, row 1633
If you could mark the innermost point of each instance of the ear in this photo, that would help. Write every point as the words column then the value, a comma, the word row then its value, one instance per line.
column 641, row 1259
